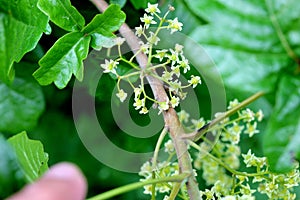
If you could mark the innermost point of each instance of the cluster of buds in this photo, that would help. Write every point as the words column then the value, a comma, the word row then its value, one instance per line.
column 172, row 63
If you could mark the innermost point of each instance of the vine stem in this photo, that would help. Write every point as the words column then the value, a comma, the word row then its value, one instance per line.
column 171, row 120
column 134, row 186
column 197, row 134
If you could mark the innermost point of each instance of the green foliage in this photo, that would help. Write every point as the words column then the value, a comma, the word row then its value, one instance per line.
column 22, row 25
column 63, row 14
column 252, row 47
column 66, row 56
column 63, row 59
column 283, row 131
column 22, row 103
column 10, row 174
column 31, row 156
column 101, row 28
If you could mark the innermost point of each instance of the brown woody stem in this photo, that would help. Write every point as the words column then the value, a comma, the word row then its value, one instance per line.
column 170, row 116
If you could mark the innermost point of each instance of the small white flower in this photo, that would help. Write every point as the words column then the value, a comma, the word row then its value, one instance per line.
column 183, row 116
column 139, row 103
column 174, row 101
column 144, row 47
column 160, row 54
column 121, row 95
column 164, row 105
column 259, row 115
column 195, row 80
column 148, row 20
column 139, row 31
column 236, row 128
column 249, row 158
column 248, row 115
column 148, row 189
column 153, row 39
column 167, row 75
column 146, row 169
column 119, row 41
column 198, row 123
column 137, row 91
column 175, row 25
column 178, row 48
column 175, row 86
column 184, row 63
column 152, row 8
column 176, row 70
column 233, row 104
column 173, row 57
column 169, row 147
column 144, row 110
column 251, row 129
column 166, row 198
column 109, row 66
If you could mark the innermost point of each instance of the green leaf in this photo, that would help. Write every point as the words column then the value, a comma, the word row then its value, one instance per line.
column 107, row 22
column 64, row 59
column 282, row 137
column 21, row 104
column 121, row 3
column 31, row 155
column 99, row 41
column 63, row 14
column 244, row 43
column 138, row 4
column 10, row 174
column 102, row 26
column 21, row 26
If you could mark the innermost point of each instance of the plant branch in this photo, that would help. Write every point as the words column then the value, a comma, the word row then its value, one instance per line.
column 198, row 134
column 157, row 147
column 134, row 186
column 176, row 130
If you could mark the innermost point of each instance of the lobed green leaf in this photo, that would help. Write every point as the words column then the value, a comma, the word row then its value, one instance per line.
column 63, row 14
column 244, row 43
column 103, row 25
column 30, row 154
column 21, row 26
column 282, row 137
column 21, row 104
column 64, row 59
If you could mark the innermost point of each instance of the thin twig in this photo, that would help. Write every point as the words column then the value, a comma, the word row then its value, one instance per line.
column 171, row 120
column 134, row 186
column 196, row 135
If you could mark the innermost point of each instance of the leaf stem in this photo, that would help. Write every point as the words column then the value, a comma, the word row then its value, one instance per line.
column 232, row 171
column 134, row 186
column 157, row 147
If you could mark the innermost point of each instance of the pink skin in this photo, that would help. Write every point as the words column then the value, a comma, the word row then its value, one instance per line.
column 63, row 181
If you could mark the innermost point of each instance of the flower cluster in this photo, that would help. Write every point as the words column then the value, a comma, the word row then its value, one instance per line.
column 172, row 63
column 222, row 155
column 163, row 169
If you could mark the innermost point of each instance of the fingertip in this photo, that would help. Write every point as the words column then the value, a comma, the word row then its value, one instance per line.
column 63, row 181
